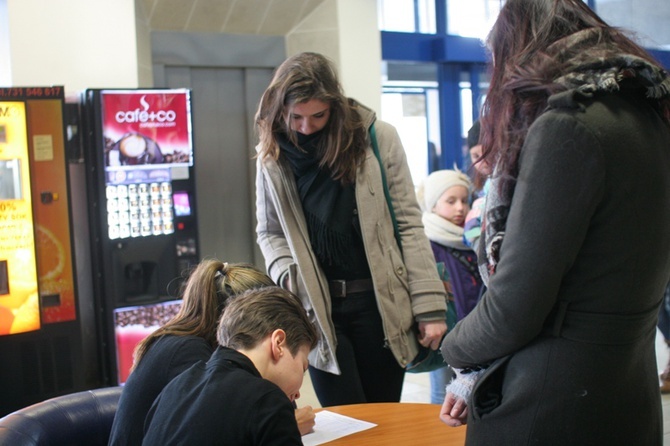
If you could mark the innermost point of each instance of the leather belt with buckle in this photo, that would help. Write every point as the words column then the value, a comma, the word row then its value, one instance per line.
column 342, row 288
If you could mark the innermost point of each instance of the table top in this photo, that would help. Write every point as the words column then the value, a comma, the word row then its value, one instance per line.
column 399, row 424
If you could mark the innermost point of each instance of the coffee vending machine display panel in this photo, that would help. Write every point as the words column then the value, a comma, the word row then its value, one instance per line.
column 142, row 177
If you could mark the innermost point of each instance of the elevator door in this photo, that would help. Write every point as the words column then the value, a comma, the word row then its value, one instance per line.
column 224, row 104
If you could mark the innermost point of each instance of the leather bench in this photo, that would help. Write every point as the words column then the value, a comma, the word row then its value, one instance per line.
column 82, row 418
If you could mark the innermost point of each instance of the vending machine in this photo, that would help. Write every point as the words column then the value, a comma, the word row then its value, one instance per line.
column 40, row 321
column 141, row 183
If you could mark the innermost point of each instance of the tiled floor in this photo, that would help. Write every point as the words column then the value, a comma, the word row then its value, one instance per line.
column 416, row 389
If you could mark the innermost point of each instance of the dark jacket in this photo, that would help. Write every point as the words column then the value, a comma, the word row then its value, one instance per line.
column 569, row 318
column 466, row 283
column 225, row 401
column 165, row 359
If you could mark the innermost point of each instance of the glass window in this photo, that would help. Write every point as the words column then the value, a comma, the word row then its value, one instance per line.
column 407, row 113
column 426, row 10
column 414, row 112
column 471, row 18
column 471, row 106
column 648, row 19
column 410, row 102
column 407, row 15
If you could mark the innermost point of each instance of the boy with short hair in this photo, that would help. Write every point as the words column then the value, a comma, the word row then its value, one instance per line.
column 244, row 393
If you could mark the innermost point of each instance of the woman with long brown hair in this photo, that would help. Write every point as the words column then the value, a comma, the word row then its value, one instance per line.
column 326, row 232
column 560, row 349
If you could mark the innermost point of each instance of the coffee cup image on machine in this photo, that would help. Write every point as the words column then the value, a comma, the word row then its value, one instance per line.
column 133, row 149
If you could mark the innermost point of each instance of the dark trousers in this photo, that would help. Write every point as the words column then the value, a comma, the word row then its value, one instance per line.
column 369, row 371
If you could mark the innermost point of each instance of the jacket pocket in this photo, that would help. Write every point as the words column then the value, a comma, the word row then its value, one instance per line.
column 487, row 395
column 297, row 287
column 399, row 269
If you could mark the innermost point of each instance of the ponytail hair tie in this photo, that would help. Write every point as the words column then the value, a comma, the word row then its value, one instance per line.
column 222, row 271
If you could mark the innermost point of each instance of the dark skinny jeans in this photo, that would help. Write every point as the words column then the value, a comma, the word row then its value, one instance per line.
column 369, row 371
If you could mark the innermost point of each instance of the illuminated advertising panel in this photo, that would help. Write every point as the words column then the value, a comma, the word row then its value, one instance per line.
column 146, row 128
column 133, row 324
column 19, row 302
column 53, row 235
column 147, row 145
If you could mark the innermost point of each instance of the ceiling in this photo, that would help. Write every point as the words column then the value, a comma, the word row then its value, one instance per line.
column 266, row 17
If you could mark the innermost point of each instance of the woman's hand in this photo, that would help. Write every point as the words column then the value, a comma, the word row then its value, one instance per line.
column 454, row 411
column 306, row 418
column 431, row 333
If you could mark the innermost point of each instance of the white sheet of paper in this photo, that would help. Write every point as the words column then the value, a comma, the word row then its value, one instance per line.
column 331, row 426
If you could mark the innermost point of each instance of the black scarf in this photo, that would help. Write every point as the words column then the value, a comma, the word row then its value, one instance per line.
column 328, row 204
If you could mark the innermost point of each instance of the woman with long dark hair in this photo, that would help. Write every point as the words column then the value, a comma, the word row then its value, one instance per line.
column 560, row 349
